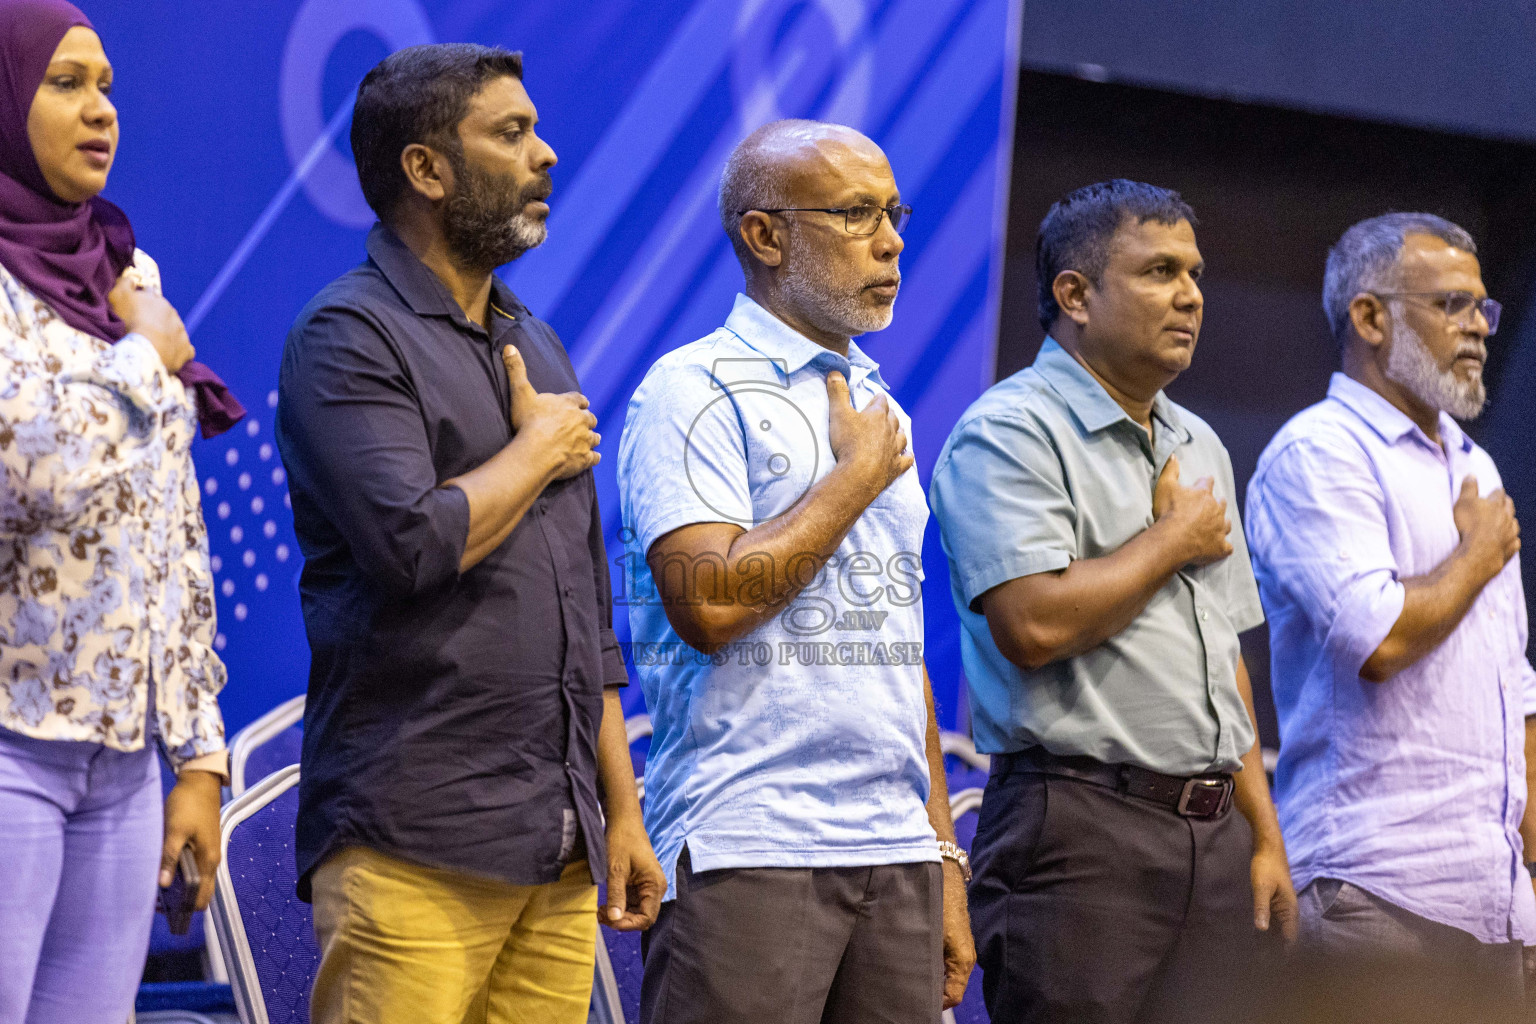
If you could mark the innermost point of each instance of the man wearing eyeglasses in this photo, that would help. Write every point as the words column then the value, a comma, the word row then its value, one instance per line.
column 1386, row 554
column 794, row 785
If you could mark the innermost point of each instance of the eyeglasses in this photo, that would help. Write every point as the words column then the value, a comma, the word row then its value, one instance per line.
column 860, row 220
column 1458, row 307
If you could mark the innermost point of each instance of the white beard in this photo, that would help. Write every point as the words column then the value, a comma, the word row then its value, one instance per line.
column 1411, row 365
column 827, row 309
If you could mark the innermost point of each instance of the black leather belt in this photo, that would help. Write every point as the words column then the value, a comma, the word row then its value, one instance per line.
column 1206, row 796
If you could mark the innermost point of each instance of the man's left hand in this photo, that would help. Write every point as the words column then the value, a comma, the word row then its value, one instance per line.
column 635, row 879
column 959, row 947
column 192, row 818
column 1274, row 898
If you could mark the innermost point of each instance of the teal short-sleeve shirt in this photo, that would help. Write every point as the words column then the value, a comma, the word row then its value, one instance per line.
column 1046, row 468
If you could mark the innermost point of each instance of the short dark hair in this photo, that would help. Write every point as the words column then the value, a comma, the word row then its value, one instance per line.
column 417, row 95
column 1076, row 233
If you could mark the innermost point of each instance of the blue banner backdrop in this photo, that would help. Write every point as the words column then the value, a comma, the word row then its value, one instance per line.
column 235, row 169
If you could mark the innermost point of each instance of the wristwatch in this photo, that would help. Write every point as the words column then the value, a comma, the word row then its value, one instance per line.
column 950, row 851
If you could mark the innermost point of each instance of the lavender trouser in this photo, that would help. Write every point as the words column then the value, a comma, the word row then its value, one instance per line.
column 80, row 837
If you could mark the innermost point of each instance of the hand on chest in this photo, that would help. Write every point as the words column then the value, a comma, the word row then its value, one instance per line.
column 466, row 398
column 1420, row 504
column 786, row 437
column 1114, row 491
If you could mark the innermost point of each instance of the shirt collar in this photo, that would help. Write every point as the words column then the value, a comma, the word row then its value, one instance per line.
column 1390, row 422
column 423, row 290
column 790, row 350
column 1086, row 397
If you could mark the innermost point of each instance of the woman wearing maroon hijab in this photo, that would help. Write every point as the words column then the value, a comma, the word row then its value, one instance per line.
column 106, row 599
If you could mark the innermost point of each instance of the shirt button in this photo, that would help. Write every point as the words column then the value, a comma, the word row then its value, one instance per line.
column 566, row 591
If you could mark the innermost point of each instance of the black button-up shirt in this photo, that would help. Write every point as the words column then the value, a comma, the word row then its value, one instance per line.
column 452, row 718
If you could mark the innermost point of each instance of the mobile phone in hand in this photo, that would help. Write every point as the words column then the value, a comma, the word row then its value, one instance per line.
column 178, row 900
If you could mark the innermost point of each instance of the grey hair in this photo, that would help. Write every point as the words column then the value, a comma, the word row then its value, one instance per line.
column 1366, row 258
column 753, row 178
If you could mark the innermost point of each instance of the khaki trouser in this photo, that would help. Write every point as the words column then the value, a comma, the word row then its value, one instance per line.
column 401, row 943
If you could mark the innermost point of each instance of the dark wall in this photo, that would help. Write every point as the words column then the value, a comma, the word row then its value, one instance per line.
column 1273, row 189
column 1468, row 66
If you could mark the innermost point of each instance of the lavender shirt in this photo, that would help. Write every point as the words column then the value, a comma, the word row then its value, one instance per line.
column 1412, row 789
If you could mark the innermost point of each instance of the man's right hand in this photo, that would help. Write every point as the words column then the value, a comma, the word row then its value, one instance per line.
column 151, row 316
column 1488, row 527
column 1193, row 515
column 558, row 426
column 871, row 441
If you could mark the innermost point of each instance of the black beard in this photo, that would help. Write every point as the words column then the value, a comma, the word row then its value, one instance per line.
column 484, row 222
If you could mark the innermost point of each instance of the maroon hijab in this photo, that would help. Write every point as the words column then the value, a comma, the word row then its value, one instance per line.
column 68, row 254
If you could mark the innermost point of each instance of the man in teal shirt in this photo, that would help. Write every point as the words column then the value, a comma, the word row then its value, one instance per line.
column 1102, row 580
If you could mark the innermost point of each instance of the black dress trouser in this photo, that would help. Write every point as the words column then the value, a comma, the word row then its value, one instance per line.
column 1093, row 907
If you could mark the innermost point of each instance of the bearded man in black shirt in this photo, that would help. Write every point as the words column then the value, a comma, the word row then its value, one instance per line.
column 463, row 712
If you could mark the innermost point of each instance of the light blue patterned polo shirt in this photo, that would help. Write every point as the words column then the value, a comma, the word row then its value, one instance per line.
column 802, row 743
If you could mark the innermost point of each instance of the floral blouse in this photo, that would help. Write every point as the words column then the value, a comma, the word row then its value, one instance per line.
column 105, row 585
